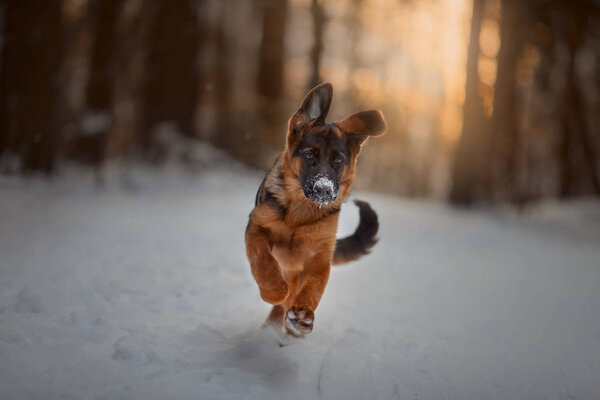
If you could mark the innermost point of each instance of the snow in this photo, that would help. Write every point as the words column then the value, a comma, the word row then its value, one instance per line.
column 324, row 190
column 143, row 291
column 326, row 184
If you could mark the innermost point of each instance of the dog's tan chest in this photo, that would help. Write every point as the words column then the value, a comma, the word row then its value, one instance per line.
column 290, row 251
column 287, row 261
column 294, row 250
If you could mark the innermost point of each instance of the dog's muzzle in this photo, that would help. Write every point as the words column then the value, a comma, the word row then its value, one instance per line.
column 321, row 190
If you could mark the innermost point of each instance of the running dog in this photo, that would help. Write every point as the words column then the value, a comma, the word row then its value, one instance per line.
column 291, row 234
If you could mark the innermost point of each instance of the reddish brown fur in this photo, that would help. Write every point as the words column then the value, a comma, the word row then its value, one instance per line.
column 290, row 240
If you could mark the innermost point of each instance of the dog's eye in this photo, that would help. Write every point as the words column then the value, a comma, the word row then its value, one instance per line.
column 309, row 155
column 338, row 158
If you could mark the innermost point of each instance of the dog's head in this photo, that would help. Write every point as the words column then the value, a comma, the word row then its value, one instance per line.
column 323, row 155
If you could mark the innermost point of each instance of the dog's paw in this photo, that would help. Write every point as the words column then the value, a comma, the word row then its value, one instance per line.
column 275, row 295
column 299, row 320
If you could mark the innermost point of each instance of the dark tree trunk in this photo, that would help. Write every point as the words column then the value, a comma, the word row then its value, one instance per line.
column 102, row 70
column 576, row 152
column 318, row 17
column 505, row 127
column 133, row 28
column 29, row 86
column 96, row 123
column 224, row 135
column 171, row 87
column 270, row 71
column 467, row 169
column 270, row 108
column 590, row 156
column 355, row 31
column 565, row 159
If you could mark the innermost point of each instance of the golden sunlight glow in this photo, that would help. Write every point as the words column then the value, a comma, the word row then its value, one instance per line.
column 451, row 121
column 421, row 63
column 409, row 57
column 489, row 39
column 487, row 70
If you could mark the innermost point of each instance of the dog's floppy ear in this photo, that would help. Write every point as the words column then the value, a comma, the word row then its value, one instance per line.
column 358, row 127
column 315, row 106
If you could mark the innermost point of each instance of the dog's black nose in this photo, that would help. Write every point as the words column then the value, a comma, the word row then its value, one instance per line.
column 321, row 190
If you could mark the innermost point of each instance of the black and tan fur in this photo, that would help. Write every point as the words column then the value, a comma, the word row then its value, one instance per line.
column 291, row 235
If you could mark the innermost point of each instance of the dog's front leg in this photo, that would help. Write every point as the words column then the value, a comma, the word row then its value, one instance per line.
column 264, row 267
column 300, row 316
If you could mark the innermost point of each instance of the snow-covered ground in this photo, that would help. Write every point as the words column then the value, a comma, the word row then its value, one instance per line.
column 144, row 292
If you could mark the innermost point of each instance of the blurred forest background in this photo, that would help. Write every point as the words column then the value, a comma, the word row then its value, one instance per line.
column 486, row 100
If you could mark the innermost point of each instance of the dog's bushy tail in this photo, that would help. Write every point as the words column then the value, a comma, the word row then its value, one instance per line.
column 362, row 240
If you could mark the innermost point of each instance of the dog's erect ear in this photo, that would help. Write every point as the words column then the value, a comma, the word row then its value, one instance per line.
column 363, row 124
column 316, row 103
column 315, row 106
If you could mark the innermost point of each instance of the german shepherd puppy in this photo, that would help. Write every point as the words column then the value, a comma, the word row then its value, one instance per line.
column 291, row 234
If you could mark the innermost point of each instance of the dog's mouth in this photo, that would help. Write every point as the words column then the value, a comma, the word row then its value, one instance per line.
column 320, row 189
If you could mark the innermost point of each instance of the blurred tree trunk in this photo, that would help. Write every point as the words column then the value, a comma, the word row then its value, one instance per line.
column 270, row 83
column 102, row 71
column 505, row 126
column 29, row 86
column 131, row 53
column 567, row 168
column 355, row 32
column 224, row 136
column 468, row 178
column 318, row 17
column 96, row 124
column 270, row 71
column 576, row 152
column 171, row 86
column 590, row 156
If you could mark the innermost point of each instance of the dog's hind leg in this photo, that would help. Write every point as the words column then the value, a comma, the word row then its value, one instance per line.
column 275, row 318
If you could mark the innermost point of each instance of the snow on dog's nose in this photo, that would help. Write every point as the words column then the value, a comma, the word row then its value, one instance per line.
column 321, row 189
